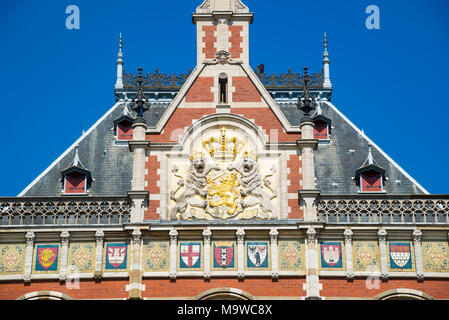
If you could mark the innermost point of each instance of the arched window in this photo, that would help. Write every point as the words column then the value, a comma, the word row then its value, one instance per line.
column 223, row 87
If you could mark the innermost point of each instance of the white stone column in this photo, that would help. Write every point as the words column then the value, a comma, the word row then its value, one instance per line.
column 99, row 239
column 308, row 194
column 240, row 234
column 207, row 263
column 135, row 287
column 173, row 247
column 65, row 237
column 30, row 236
column 417, row 242
column 348, row 249
column 138, row 194
column 312, row 285
column 274, row 233
column 382, row 236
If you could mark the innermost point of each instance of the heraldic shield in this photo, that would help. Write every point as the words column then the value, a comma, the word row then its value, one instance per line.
column 47, row 257
column 331, row 255
column 116, row 256
column 400, row 256
column 223, row 181
column 224, row 254
column 190, row 255
column 257, row 253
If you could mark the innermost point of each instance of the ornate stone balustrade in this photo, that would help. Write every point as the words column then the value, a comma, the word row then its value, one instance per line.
column 164, row 81
column 384, row 209
column 64, row 211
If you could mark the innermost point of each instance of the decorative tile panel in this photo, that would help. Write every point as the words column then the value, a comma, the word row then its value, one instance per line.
column 12, row 257
column 365, row 255
column 291, row 255
column 156, row 256
column 81, row 257
column 435, row 256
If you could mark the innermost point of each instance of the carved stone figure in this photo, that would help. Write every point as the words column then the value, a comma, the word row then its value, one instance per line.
column 195, row 194
column 251, row 182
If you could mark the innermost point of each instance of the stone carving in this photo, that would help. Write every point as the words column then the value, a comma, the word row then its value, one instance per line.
column 195, row 194
column 251, row 182
column 223, row 183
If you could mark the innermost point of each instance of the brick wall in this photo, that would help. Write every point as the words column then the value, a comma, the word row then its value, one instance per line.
column 209, row 40
column 200, row 91
column 152, row 165
column 186, row 287
column 106, row 289
column 236, row 41
column 337, row 287
column 294, row 177
column 245, row 91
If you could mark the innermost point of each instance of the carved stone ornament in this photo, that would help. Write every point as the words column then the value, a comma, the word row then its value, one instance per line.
column 99, row 237
column 240, row 233
column 382, row 235
column 223, row 57
column 207, row 235
column 65, row 236
column 30, row 236
column 274, row 235
column 348, row 235
column 311, row 235
column 223, row 182
column 173, row 236
column 136, row 236
column 417, row 237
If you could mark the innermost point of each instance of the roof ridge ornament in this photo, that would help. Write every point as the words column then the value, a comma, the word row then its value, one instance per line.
column 140, row 103
column 306, row 103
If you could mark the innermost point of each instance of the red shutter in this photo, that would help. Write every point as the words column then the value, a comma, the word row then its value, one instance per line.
column 124, row 130
column 320, row 130
column 75, row 182
column 371, row 181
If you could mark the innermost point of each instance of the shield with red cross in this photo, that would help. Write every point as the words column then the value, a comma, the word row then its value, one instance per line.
column 190, row 255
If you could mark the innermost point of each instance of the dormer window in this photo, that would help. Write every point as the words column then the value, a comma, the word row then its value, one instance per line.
column 75, row 183
column 321, row 130
column 322, row 127
column 123, row 125
column 370, row 177
column 76, row 178
column 371, row 181
column 124, row 130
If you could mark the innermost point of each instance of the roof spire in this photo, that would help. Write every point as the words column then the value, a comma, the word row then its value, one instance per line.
column 326, row 76
column 119, row 82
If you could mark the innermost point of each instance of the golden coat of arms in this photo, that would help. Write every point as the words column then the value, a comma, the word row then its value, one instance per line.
column 222, row 183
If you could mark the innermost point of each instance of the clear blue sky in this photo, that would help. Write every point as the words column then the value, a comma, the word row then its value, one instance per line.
column 392, row 82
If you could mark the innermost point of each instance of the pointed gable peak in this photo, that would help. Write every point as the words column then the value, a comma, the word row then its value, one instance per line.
column 235, row 6
column 370, row 164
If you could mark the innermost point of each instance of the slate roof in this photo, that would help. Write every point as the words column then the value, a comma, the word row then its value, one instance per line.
column 111, row 164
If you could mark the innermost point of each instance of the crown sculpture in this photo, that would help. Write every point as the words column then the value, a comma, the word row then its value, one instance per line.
column 224, row 148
